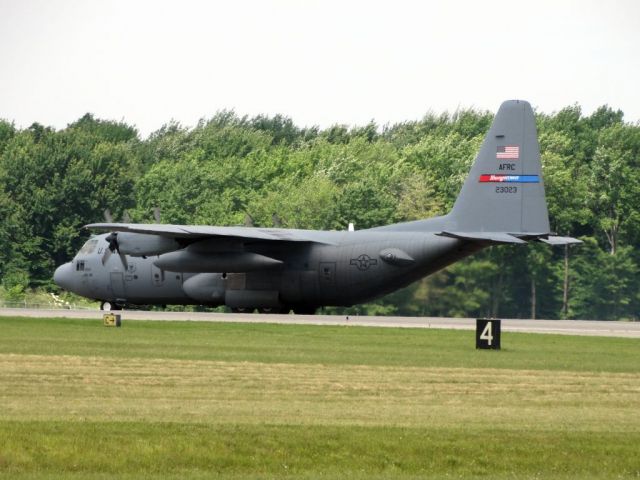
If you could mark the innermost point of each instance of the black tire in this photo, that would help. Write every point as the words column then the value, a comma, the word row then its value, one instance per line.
column 305, row 310
column 268, row 310
column 241, row 310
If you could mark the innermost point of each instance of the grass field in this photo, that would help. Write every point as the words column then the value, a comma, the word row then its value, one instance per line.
column 255, row 401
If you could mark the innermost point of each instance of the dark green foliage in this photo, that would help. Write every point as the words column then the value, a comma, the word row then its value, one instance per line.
column 7, row 131
column 54, row 182
column 228, row 167
column 607, row 285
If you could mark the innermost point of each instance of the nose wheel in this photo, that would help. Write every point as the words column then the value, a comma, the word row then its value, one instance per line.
column 108, row 306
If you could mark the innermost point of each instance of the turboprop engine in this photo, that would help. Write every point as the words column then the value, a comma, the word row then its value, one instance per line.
column 141, row 244
column 191, row 261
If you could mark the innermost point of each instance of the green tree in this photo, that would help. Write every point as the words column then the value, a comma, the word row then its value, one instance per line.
column 447, row 158
column 614, row 184
column 62, row 180
column 606, row 286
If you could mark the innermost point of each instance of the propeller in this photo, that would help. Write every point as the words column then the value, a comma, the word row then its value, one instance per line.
column 248, row 220
column 156, row 214
column 112, row 240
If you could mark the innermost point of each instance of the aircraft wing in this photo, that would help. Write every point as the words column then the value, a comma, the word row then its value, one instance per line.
column 200, row 231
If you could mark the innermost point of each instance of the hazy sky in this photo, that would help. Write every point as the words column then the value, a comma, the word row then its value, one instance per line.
column 319, row 62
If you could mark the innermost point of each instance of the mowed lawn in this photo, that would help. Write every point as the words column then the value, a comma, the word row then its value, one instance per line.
column 257, row 401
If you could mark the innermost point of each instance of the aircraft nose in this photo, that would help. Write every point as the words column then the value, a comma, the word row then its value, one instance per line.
column 62, row 276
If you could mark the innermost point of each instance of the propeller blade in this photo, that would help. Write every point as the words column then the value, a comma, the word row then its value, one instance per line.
column 107, row 215
column 112, row 241
column 125, row 217
column 123, row 259
column 156, row 214
column 107, row 254
column 248, row 220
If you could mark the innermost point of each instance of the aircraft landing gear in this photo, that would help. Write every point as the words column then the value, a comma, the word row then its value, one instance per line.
column 269, row 310
column 304, row 310
column 108, row 306
column 241, row 310
column 266, row 310
column 299, row 309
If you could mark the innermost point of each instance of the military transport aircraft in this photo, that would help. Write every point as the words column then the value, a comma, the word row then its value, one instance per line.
column 278, row 270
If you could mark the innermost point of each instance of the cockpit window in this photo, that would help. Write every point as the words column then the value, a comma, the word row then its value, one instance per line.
column 89, row 247
column 80, row 266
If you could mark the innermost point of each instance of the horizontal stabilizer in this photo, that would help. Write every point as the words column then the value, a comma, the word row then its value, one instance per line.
column 552, row 240
column 493, row 237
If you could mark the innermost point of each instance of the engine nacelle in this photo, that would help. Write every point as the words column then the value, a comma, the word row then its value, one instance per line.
column 145, row 245
column 237, row 262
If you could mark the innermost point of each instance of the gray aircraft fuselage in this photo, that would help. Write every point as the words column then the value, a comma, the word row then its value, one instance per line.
column 501, row 202
column 352, row 267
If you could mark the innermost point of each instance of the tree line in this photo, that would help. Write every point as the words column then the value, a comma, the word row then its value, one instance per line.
column 266, row 171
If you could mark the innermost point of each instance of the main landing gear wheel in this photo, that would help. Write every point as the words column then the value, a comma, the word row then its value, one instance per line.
column 304, row 310
column 269, row 310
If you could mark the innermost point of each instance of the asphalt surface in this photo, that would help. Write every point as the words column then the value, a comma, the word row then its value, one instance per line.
column 564, row 327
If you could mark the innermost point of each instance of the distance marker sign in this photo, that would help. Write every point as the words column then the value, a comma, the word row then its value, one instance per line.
column 488, row 333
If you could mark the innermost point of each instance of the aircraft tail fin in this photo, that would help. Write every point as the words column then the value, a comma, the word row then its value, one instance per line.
column 502, row 200
column 504, row 191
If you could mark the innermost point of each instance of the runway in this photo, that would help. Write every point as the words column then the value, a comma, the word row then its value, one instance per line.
column 563, row 327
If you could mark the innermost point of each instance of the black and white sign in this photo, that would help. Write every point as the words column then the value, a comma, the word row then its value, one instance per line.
column 488, row 333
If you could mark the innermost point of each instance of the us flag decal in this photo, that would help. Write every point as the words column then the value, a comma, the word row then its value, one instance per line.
column 508, row 152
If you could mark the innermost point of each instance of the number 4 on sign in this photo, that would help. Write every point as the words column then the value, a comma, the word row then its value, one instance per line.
column 486, row 334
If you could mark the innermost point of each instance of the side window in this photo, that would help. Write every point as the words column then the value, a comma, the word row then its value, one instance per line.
column 80, row 266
